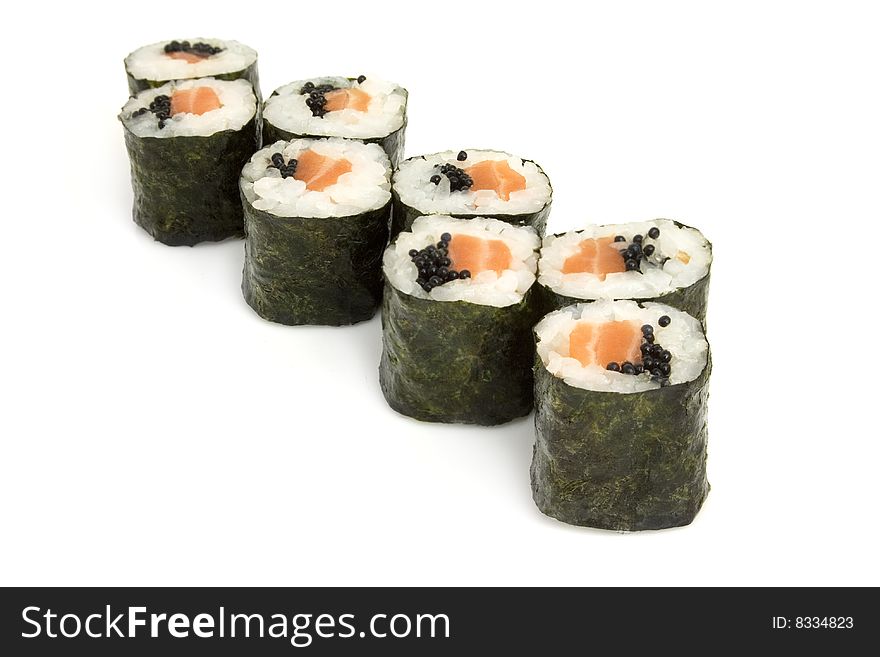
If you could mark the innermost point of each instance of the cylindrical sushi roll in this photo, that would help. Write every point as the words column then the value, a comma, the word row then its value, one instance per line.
column 620, row 413
column 364, row 108
column 659, row 260
column 316, row 223
column 471, row 183
column 187, row 142
column 457, row 320
column 158, row 63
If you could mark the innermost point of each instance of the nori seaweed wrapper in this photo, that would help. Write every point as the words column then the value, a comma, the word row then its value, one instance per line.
column 392, row 144
column 186, row 188
column 404, row 215
column 454, row 361
column 693, row 299
column 325, row 270
column 617, row 461
column 250, row 74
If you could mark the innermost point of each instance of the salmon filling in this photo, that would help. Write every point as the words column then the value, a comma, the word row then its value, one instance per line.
column 610, row 342
column 340, row 99
column 596, row 256
column 475, row 254
column 318, row 171
column 496, row 175
column 194, row 101
column 188, row 57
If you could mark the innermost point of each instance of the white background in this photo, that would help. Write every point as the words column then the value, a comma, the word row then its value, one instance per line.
column 156, row 431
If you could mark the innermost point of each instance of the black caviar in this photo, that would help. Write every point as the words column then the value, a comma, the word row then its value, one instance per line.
column 287, row 170
column 434, row 265
column 655, row 358
column 316, row 100
column 637, row 250
column 459, row 181
column 198, row 48
column 161, row 107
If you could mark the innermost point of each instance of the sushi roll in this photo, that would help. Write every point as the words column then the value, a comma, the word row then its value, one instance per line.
column 471, row 183
column 158, row 63
column 658, row 260
column 187, row 142
column 620, row 415
column 316, row 223
column 364, row 108
column 457, row 320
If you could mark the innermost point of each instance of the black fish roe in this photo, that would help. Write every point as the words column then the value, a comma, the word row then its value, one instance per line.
column 198, row 48
column 316, row 99
column 361, row 79
column 161, row 107
column 434, row 265
column 459, row 181
column 637, row 250
column 655, row 359
column 287, row 170
column 462, row 156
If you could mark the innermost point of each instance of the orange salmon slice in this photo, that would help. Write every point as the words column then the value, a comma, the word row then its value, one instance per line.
column 497, row 176
column 188, row 57
column 477, row 254
column 318, row 171
column 194, row 101
column 608, row 342
column 340, row 99
column 596, row 256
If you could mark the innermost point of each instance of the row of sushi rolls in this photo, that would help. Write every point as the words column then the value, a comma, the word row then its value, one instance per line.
column 484, row 317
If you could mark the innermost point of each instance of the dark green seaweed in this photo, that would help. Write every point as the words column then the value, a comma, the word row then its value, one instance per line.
column 250, row 74
column 453, row 361
column 186, row 188
column 392, row 144
column 325, row 270
column 625, row 462
column 692, row 299
column 403, row 216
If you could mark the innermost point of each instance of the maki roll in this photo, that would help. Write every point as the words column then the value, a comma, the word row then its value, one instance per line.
column 187, row 142
column 456, row 320
column 620, row 413
column 368, row 109
column 658, row 260
column 467, row 184
column 158, row 63
column 316, row 222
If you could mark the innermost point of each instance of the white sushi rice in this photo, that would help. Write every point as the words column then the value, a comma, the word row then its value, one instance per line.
column 152, row 63
column 239, row 106
column 683, row 337
column 286, row 109
column 678, row 243
column 486, row 288
column 366, row 187
column 412, row 183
